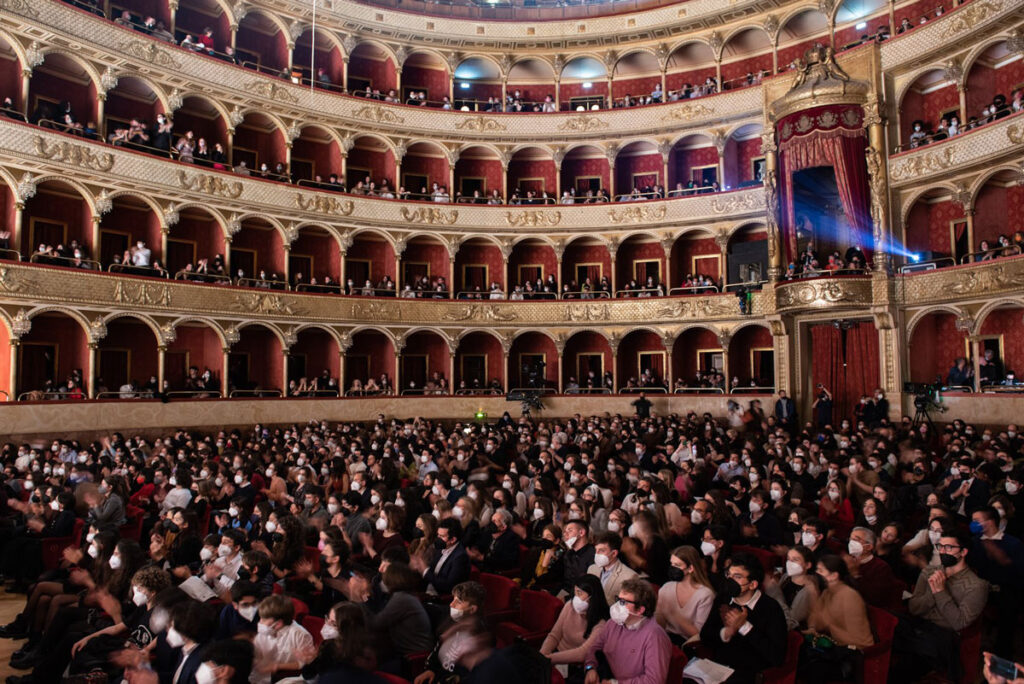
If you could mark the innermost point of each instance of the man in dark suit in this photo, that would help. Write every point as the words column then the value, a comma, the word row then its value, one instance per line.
column 965, row 493
column 746, row 630
column 193, row 625
column 452, row 567
column 501, row 551
column 785, row 412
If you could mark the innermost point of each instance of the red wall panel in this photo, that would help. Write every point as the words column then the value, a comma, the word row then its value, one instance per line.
column 434, row 348
column 273, row 50
column 935, row 344
column 481, row 343
column 1010, row 324
column 928, row 226
column 381, row 73
column 380, row 254
column 432, row 253
column 325, row 157
column 488, row 169
column 635, row 250
column 630, row 347
column 532, row 343
column 682, row 257
column 214, row 130
column 5, row 364
column 56, row 89
column 479, row 254
column 139, row 341
column 585, row 343
column 734, row 74
column 188, row 19
column 627, row 166
column 206, row 233
column 321, row 352
column 997, row 210
column 577, row 253
column 477, row 91
column 266, row 362
column 682, row 160
column 140, row 224
column 636, row 87
column 203, row 348
column 64, row 208
column 10, row 81
column 676, row 80
column 68, row 336
column 433, row 81
column 125, row 108
column 684, row 354
column 534, row 169
column 750, row 337
column 531, row 254
column 378, row 350
column 324, row 250
column 269, row 147
column 435, row 168
column 574, row 168
column 380, row 165
column 267, row 243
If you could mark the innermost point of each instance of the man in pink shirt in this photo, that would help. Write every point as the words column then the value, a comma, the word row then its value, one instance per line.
column 632, row 648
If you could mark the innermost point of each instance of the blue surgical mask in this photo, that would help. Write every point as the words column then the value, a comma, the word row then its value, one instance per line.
column 976, row 527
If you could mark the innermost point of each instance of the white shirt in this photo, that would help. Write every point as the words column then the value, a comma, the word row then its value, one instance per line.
column 746, row 626
column 179, row 497
column 141, row 257
column 282, row 647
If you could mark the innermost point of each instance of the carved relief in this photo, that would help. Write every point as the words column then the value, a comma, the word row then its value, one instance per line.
column 377, row 114
column 814, row 293
column 430, row 215
column 688, row 112
column 76, row 155
column 15, row 281
column 697, row 307
column 636, row 214
column 986, row 280
column 479, row 124
column 270, row 91
column 324, row 204
column 876, row 179
column 482, row 312
column 970, row 16
column 210, row 185
column 918, row 164
column 265, row 303
column 583, row 124
column 736, row 203
column 142, row 294
column 1015, row 134
column 771, row 194
column 149, row 52
column 534, row 218
column 586, row 312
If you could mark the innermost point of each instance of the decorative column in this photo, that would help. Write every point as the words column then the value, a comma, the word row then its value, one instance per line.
column 343, row 346
column 161, row 366
column 506, row 380
column 611, row 152
column 666, row 246
column 506, row 253
column 505, row 157
column 723, row 342
column 227, row 255
column 668, row 342
column 954, row 72
column 399, row 251
column 287, row 265
column 452, row 351
column 613, row 342
column 451, row 270
column 12, row 377
column 224, row 389
column 613, row 248
column 401, row 54
column 92, row 368
column 875, row 157
column 19, row 214
column 722, row 240
column 558, row 157
column 26, row 79
column 770, row 151
column 453, row 159
column 285, row 349
column 560, row 354
column 559, row 253
column 720, row 139
column 665, row 150
column 172, row 7
column 398, row 368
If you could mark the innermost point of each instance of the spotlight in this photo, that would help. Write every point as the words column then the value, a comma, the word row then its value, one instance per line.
column 861, row 26
column 914, row 257
column 464, row 85
column 588, row 84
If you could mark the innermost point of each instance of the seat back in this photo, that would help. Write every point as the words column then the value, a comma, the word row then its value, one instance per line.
column 500, row 592
column 76, row 532
column 312, row 554
column 301, row 609
column 970, row 651
column 391, row 678
column 538, row 610
column 313, row 625
column 676, row 664
column 786, row 673
column 877, row 658
column 768, row 559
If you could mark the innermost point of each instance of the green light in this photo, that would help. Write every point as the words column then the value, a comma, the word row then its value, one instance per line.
column 480, row 415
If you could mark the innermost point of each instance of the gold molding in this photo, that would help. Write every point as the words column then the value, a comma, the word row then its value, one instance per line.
column 534, row 218
column 430, row 216
column 323, row 204
column 76, row 155
column 210, row 184
column 480, row 123
column 636, row 214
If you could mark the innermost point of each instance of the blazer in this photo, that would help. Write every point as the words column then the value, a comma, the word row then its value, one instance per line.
column 188, row 671
column 764, row 646
column 791, row 408
column 454, row 570
column 501, row 553
column 620, row 573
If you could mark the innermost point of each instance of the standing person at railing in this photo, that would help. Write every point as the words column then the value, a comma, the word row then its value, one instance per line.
column 185, row 147
column 160, row 137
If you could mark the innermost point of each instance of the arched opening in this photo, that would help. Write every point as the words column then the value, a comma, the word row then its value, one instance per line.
column 533, row 362
column 530, row 80
column 425, row 364
column 638, row 74
column 371, row 69
column 478, row 174
column 996, row 215
column 587, row 364
column 122, row 229
column 371, row 357
column 314, row 261
column 315, row 157
column 640, row 267
column 1001, row 345
column 746, row 58
column 259, row 142
column 747, row 257
column 198, row 119
column 262, row 45
column 257, row 255
column 583, row 83
column 693, row 166
column 585, row 171
column 698, row 360
column 126, row 361
column 929, row 100
column 57, row 227
column 532, row 270
column 62, row 95
column 314, row 364
column 934, row 347
column 531, row 172
column 586, row 269
column 642, row 363
column 857, row 19
column 479, row 365
column 425, row 267
column 255, row 363
column 823, row 228
column 54, row 357
column 370, row 161
column 478, row 267
column 689, row 67
column 425, row 165
column 477, row 85
column 198, row 17
column 322, row 64
column 132, row 105
column 742, row 160
column 799, row 33
column 639, row 172
column 194, row 361
column 937, row 229
column 196, row 238
column 998, row 71
column 11, row 247
column 10, row 80
column 370, row 266
column 752, row 358
column 424, row 72
column 696, row 261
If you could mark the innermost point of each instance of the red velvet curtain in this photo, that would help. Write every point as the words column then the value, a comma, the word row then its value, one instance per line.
column 862, row 376
column 827, row 368
column 827, row 136
column 847, row 375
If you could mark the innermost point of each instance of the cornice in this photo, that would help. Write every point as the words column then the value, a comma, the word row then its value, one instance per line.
column 985, row 281
column 45, row 154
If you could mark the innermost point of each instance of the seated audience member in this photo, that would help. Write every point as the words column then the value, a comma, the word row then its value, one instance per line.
column 839, row 627
column 281, row 644
column 578, row 626
column 608, row 567
column 632, row 646
column 685, row 601
column 463, row 631
column 797, row 589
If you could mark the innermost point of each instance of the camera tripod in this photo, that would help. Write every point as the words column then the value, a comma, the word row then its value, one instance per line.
column 922, row 416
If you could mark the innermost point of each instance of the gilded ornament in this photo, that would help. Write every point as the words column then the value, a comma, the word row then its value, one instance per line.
column 771, row 195
column 21, row 324
column 876, row 179
column 917, row 164
column 324, row 204
column 15, row 281
column 587, row 312
column 24, row 7
column 97, row 330
column 969, row 17
column 697, row 307
column 583, row 123
column 484, row 312
column 210, row 185
column 76, row 155
column 636, row 214
column 264, row 303
column 811, row 293
column 987, row 279
column 377, row 114
column 374, row 310
column 141, row 294
column 817, row 66
column 430, row 215
column 687, row 112
column 270, row 91
column 148, row 52
column 1016, row 134
column 534, row 218
column 480, row 124
column 744, row 202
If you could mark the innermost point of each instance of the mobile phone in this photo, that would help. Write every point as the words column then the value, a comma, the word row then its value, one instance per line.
column 1001, row 667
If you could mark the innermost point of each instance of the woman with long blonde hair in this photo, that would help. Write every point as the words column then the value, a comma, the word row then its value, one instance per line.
column 685, row 601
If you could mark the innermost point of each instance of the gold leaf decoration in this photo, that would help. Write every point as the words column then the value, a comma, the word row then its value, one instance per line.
column 210, row 185
column 258, row 302
column 636, row 214
column 141, row 294
column 745, row 202
column 688, row 112
column 481, row 312
column 586, row 312
column 76, row 155
column 969, row 17
column 698, row 307
column 24, row 7
column 324, row 204
column 14, row 281
column 989, row 279
column 377, row 114
column 583, row 123
column 1015, row 134
column 480, row 124
column 430, row 216
column 149, row 52
column 270, row 91
column 534, row 218
column 922, row 163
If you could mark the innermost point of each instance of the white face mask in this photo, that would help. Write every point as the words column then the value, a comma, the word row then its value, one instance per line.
column 707, row 548
column 538, row 513
column 139, row 597
column 381, row 524
column 794, row 569
column 332, row 508
column 205, row 675
column 579, row 605
column 248, row 612
column 233, row 512
column 855, row 548
column 696, row 517
column 205, row 554
column 934, row 536
column 614, row 526
column 223, row 550
column 456, row 613
column 601, row 560
column 271, row 526
column 329, row 632
column 1012, row 488
column 754, row 507
column 619, row 613
column 174, row 638
column 239, row 479
column 94, row 551
column 808, row 539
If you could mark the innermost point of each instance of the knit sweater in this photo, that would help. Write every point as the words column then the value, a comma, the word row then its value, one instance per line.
column 842, row 614
column 636, row 656
column 565, row 644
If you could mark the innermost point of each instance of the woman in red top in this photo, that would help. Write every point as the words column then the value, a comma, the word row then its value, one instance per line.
column 835, row 509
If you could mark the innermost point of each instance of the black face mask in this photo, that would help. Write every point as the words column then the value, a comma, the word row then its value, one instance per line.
column 171, row 526
column 277, row 537
column 244, row 574
column 948, row 560
column 676, row 575
column 731, row 588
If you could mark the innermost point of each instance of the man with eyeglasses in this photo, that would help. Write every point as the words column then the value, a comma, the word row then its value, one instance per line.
column 746, row 631
column 632, row 647
column 948, row 597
